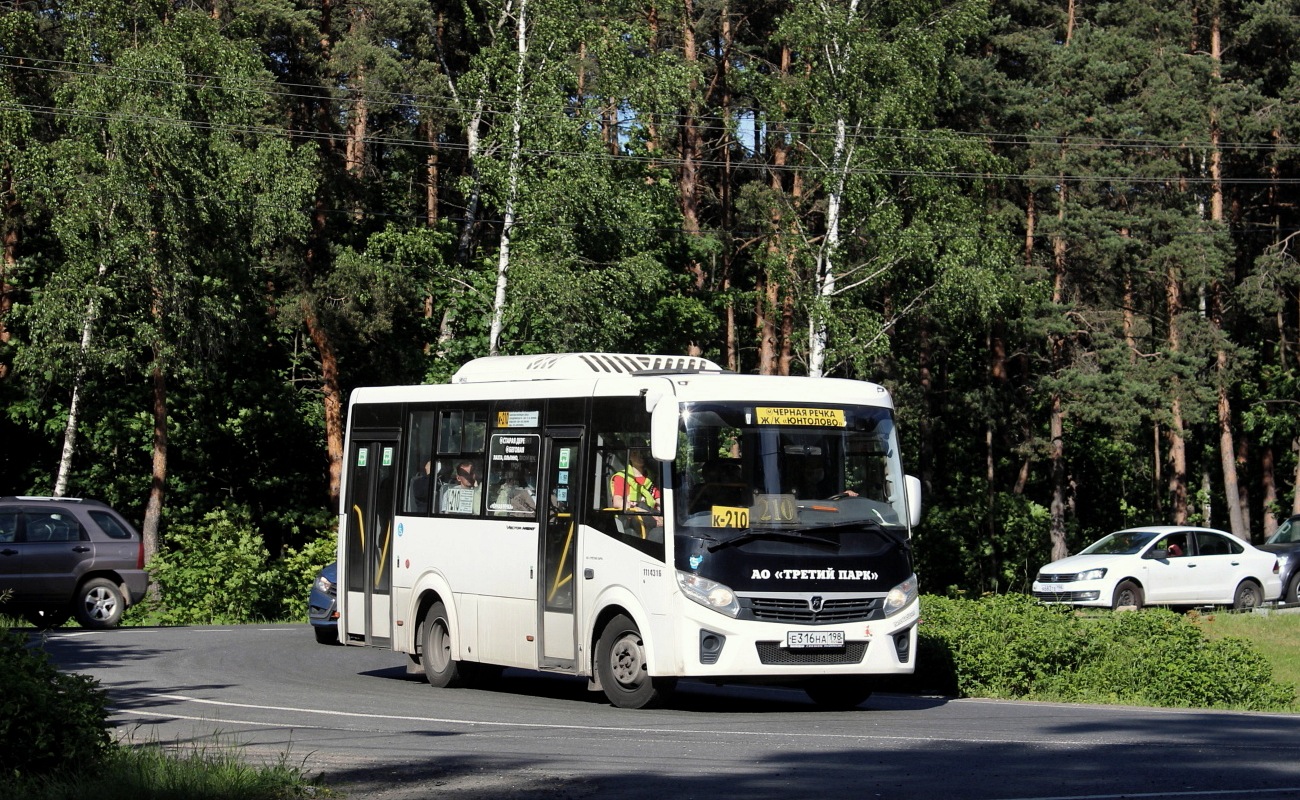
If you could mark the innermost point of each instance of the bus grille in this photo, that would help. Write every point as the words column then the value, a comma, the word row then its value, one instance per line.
column 773, row 653
column 796, row 609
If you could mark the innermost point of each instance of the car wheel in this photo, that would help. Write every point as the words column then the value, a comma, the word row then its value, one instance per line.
column 435, row 653
column 326, row 634
column 1292, row 593
column 99, row 604
column 838, row 693
column 1247, row 596
column 1127, row 593
column 623, row 670
column 46, row 618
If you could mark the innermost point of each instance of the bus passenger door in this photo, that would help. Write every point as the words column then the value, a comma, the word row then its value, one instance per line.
column 372, row 466
column 557, row 584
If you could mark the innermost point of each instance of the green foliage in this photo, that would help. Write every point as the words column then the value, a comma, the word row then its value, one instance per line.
column 219, row 571
column 1010, row 646
column 50, row 721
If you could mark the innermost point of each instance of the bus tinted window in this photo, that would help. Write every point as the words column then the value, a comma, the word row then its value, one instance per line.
column 458, row 470
column 419, row 463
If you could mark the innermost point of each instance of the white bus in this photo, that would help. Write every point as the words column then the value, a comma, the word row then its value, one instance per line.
column 631, row 519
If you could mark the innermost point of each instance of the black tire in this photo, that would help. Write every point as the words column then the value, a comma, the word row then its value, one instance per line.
column 326, row 634
column 99, row 604
column 1127, row 593
column 622, row 668
column 1248, row 595
column 1292, row 593
column 838, row 693
column 440, row 668
column 46, row 618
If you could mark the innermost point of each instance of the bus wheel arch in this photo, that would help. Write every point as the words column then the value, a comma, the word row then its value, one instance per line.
column 622, row 666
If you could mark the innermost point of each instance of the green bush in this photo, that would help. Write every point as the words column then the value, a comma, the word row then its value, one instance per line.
column 49, row 720
column 219, row 572
column 1010, row 646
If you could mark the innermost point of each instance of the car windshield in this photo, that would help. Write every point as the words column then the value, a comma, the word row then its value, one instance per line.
column 1288, row 533
column 1122, row 543
column 769, row 468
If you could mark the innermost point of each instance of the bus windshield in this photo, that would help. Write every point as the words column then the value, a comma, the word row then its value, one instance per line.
column 787, row 468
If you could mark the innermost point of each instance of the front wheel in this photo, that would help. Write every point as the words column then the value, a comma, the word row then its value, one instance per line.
column 1247, row 596
column 1292, row 595
column 99, row 604
column 622, row 667
column 1127, row 593
column 435, row 654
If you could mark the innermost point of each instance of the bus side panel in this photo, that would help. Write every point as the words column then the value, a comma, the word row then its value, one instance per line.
column 505, row 626
column 622, row 576
column 490, row 568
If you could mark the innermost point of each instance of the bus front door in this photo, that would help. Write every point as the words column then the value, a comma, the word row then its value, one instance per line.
column 369, row 506
column 558, row 584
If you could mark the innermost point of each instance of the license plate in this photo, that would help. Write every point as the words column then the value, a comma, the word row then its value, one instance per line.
column 1053, row 588
column 797, row 639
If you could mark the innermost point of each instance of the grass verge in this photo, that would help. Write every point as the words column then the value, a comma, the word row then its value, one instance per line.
column 1275, row 635
column 154, row 772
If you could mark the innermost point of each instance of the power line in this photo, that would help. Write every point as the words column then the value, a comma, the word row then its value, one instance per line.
column 797, row 128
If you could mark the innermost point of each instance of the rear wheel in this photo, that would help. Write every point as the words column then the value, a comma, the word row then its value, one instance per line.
column 839, row 694
column 435, row 654
column 1247, row 596
column 1127, row 593
column 623, row 669
column 46, row 618
column 99, row 604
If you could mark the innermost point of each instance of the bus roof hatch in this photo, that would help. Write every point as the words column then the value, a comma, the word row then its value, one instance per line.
column 558, row 366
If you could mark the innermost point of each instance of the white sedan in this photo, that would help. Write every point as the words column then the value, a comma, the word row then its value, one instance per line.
column 1163, row 565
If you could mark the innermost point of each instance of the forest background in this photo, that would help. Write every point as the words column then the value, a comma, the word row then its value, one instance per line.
column 1063, row 234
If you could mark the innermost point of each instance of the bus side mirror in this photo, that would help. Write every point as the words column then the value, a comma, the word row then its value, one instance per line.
column 663, row 429
column 913, row 488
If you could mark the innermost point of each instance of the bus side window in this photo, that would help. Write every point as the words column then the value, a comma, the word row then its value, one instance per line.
column 419, row 463
column 458, row 470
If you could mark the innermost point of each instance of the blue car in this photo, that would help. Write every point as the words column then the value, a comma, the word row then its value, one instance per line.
column 322, row 610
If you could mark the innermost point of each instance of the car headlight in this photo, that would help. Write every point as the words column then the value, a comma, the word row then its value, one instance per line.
column 709, row 593
column 1091, row 574
column 900, row 596
column 324, row 584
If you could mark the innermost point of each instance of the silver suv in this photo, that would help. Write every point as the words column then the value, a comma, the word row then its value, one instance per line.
column 62, row 557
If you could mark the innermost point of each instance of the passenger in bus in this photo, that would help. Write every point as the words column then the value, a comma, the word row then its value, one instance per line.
column 463, row 497
column 515, row 497
column 420, row 489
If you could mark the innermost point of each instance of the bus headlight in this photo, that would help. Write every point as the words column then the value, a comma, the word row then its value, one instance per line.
column 709, row 593
column 900, row 596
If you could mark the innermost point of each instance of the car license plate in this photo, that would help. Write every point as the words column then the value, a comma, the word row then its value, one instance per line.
column 1053, row 588
column 798, row 639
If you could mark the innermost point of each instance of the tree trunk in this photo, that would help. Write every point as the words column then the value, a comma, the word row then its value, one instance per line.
column 1177, row 442
column 74, row 405
column 512, row 189
column 149, row 531
column 333, row 396
column 688, row 174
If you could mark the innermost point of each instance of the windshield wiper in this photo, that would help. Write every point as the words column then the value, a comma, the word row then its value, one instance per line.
column 789, row 536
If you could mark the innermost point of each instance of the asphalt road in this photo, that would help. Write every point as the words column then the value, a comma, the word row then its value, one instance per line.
column 353, row 715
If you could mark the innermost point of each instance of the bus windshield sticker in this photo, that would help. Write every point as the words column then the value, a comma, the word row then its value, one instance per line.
column 800, row 416
column 361, row 456
column 730, row 517
column 518, row 419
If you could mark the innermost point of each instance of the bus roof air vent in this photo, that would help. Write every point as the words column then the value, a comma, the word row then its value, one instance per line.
column 557, row 366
